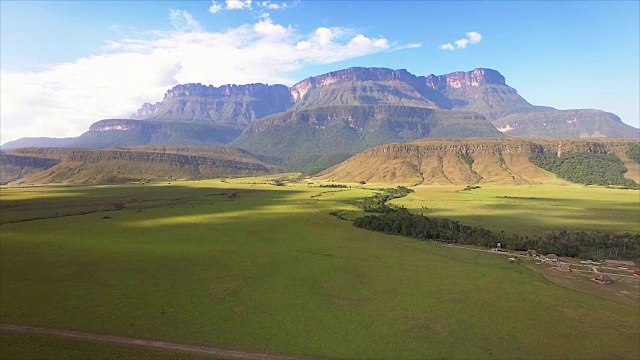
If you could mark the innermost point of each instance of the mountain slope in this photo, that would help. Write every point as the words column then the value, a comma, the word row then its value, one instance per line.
column 156, row 163
column 565, row 123
column 467, row 161
column 27, row 142
column 127, row 133
column 309, row 140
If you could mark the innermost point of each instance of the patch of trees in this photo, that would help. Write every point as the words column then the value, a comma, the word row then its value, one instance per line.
column 593, row 245
column 378, row 202
column 399, row 221
column 333, row 186
column 586, row 168
column 633, row 152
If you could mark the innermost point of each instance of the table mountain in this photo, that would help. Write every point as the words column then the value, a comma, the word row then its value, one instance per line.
column 326, row 118
column 229, row 105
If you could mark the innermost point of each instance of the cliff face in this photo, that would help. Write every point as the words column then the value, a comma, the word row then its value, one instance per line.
column 481, row 90
column 231, row 105
column 14, row 167
column 461, row 79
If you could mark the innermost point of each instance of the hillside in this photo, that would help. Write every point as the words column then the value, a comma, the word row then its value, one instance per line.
column 159, row 163
column 14, row 167
column 311, row 140
column 469, row 161
column 127, row 133
column 565, row 123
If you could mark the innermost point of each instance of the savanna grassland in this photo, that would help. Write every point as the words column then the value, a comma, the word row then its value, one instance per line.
column 530, row 209
column 244, row 264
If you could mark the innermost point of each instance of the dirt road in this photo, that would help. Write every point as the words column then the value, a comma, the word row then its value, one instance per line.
column 150, row 344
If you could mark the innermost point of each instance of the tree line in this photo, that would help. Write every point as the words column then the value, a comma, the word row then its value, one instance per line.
column 586, row 168
column 581, row 244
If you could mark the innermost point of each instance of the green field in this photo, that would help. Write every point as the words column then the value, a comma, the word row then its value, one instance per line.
column 530, row 209
column 270, row 270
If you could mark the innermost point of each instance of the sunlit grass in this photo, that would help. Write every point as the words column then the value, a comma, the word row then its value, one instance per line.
column 269, row 269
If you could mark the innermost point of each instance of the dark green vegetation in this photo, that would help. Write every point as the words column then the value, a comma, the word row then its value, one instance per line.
column 378, row 202
column 582, row 244
column 399, row 221
column 585, row 168
column 633, row 152
column 270, row 270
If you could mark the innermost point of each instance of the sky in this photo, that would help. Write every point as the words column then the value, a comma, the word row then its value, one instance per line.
column 65, row 65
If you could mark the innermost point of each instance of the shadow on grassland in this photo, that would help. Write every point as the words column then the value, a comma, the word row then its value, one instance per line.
column 72, row 202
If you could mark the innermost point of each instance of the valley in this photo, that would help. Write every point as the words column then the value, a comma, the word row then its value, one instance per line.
column 259, row 264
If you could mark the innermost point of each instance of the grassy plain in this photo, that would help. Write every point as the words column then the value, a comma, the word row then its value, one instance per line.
column 530, row 209
column 270, row 270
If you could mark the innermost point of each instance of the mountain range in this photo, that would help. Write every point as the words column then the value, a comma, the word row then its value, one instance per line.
column 323, row 120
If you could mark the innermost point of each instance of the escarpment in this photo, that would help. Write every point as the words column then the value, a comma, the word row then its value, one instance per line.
column 144, row 164
column 469, row 161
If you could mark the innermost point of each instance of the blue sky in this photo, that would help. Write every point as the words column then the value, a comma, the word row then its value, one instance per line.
column 67, row 64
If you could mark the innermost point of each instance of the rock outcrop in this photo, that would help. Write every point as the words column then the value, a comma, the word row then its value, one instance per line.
column 231, row 105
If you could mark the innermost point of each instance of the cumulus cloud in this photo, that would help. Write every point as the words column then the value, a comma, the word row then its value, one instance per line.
column 64, row 99
column 472, row 37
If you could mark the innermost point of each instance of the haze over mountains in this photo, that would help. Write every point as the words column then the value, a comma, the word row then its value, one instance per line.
column 324, row 120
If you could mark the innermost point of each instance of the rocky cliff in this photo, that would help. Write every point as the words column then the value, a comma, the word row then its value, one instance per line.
column 231, row 105
column 14, row 167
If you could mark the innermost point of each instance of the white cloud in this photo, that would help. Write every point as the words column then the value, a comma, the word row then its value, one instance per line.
column 215, row 7
column 447, row 46
column 462, row 43
column 182, row 20
column 249, row 5
column 238, row 4
column 472, row 37
column 64, row 99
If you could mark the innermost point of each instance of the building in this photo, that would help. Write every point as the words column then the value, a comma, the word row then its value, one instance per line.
column 602, row 278
column 564, row 267
column 552, row 257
